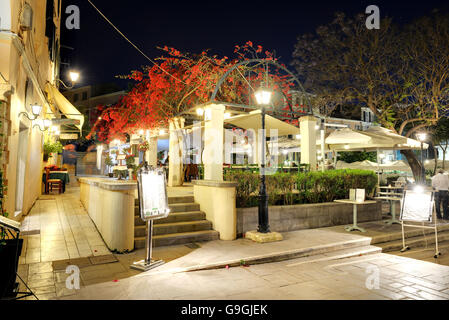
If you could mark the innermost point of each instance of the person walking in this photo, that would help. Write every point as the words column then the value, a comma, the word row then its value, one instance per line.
column 440, row 182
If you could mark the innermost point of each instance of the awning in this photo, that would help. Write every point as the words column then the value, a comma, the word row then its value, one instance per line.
column 64, row 105
column 375, row 138
column 253, row 120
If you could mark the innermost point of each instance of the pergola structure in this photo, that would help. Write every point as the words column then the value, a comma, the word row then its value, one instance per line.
column 209, row 121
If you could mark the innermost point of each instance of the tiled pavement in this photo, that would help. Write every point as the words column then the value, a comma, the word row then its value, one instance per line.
column 399, row 278
column 58, row 232
column 64, row 231
column 48, row 279
column 58, row 228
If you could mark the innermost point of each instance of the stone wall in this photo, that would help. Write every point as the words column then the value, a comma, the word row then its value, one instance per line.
column 307, row 216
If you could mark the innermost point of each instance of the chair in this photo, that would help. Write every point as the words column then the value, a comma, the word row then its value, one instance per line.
column 50, row 183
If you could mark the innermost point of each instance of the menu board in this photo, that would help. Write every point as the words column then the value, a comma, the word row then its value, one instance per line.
column 357, row 195
column 152, row 194
column 417, row 206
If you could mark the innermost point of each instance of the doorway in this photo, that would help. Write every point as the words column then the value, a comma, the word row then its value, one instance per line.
column 22, row 153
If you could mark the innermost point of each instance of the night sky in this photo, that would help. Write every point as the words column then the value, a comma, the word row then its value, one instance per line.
column 100, row 53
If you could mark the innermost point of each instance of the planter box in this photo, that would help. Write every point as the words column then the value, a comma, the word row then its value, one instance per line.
column 307, row 216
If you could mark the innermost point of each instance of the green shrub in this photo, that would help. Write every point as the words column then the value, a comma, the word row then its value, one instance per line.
column 52, row 147
column 248, row 184
column 302, row 187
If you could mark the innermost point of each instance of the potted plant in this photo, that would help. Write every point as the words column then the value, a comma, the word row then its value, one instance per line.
column 144, row 146
column 50, row 148
column 130, row 164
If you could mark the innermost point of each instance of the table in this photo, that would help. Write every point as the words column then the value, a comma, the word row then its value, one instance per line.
column 390, row 195
column 393, row 219
column 61, row 175
column 354, row 211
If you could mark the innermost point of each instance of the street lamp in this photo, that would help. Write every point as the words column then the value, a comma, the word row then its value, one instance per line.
column 46, row 124
column 74, row 76
column 35, row 110
column 263, row 97
column 422, row 136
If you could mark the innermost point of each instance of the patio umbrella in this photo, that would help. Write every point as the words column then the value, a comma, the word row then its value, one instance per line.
column 253, row 120
column 373, row 139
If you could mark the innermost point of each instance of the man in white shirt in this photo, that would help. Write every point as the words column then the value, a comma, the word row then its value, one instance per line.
column 440, row 182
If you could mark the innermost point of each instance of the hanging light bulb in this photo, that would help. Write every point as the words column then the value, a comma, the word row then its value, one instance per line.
column 200, row 112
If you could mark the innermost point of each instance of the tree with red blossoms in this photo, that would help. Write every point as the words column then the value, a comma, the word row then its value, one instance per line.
column 180, row 81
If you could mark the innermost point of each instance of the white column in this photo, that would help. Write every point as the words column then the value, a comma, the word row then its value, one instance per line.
column 175, row 153
column 308, row 141
column 323, row 155
column 151, row 153
column 213, row 142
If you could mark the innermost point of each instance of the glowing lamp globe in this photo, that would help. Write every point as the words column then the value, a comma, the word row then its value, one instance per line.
column 263, row 96
column 74, row 76
column 200, row 112
column 422, row 136
column 36, row 110
column 47, row 123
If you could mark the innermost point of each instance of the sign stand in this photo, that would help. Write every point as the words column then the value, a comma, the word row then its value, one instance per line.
column 153, row 204
column 424, row 213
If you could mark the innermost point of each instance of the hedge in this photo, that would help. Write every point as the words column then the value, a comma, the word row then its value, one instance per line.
column 301, row 188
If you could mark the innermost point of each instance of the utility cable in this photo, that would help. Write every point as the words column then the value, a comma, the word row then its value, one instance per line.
column 137, row 48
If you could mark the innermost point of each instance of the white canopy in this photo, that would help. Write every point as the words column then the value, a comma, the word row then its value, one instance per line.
column 253, row 121
column 64, row 105
column 372, row 139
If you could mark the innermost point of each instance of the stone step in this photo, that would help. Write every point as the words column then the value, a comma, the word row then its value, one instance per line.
column 328, row 251
column 181, row 199
column 184, row 207
column 176, row 207
column 173, row 200
column 337, row 255
column 176, row 227
column 415, row 242
column 177, row 238
column 174, row 217
column 409, row 233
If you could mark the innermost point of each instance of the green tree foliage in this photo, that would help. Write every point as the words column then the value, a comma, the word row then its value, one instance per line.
column 441, row 136
column 354, row 156
column 400, row 72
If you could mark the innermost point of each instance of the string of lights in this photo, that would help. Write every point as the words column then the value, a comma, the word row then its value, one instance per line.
column 137, row 48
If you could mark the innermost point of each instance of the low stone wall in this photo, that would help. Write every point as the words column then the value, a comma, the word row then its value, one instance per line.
column 307, row 216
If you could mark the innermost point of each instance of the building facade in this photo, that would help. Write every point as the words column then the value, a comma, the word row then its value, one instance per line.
column 29, row 63
column 87, row 98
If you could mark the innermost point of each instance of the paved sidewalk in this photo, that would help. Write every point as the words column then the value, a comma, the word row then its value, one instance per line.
column 57, row 228
column 326, row 263
column 398, row 278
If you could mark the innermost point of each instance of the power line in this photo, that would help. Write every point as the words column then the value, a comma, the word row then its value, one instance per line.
column 141, row 52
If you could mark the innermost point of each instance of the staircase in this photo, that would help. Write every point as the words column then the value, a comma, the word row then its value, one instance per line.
column 414, row 238
column 185, row 224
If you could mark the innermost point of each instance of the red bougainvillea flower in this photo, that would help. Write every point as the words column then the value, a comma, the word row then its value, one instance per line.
column 177, row 83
